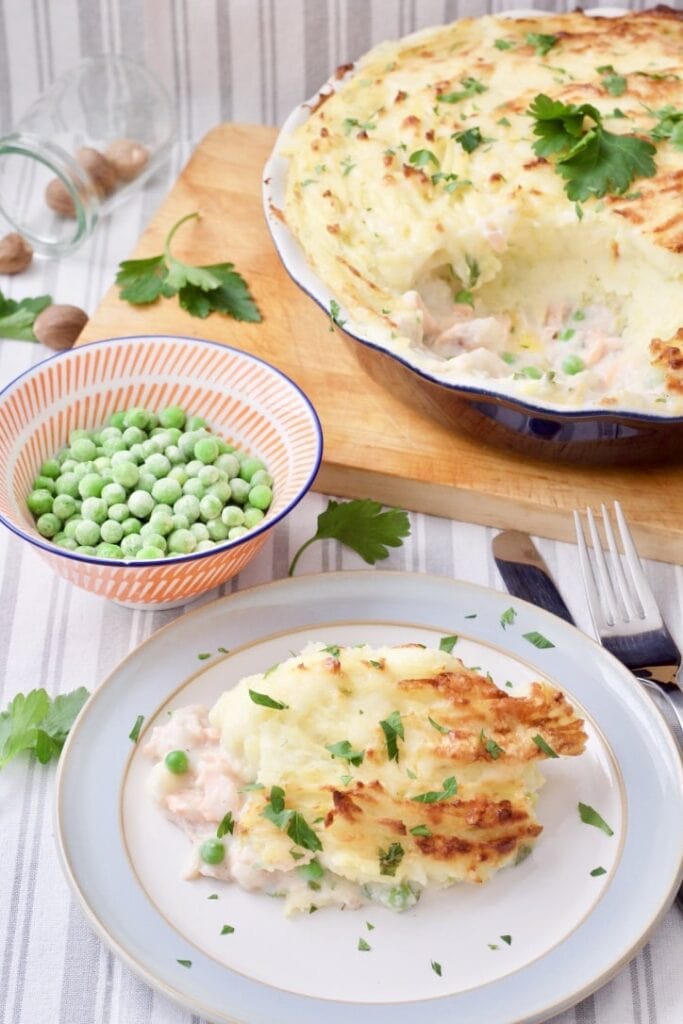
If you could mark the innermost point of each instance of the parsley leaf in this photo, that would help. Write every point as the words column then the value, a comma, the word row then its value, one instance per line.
column 135, row 731
column 345, row 751
column 363, row 946
column 447, row 643
column 335, row 314
column 266, row 701
column 184, row 963
column 202, row 290
column 227, row 929
column 541, row 43
column 439, row 728
column 16, row 317
column 669, row 126
column 589, row 816
column 464, row 297
column 469, row 139
column 544, row 746
column 503, row 44
column 538, row 640
column 593, row 161
column 420, row 830
column 392, row 727
column 613, row 82
column 507, row 939
column 490, row 746
column 390, row 859
column 291, row 822
column 508, row 617
column 449, row 789
column 596, row 872
column 470, row 87
column 436, row 967
column 362, row 526
column 422, row 157
column 226, row 826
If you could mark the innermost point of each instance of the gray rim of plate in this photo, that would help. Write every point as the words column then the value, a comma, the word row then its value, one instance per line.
column 93, row 761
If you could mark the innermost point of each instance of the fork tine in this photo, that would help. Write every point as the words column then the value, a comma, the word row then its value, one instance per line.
column 642, row 587
column 623, row 590
column 589, row 586
column 605, row 582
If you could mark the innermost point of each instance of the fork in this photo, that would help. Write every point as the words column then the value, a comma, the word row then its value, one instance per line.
column 625, row 614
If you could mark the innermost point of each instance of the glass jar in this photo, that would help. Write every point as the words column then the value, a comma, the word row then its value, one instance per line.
column 99, row 132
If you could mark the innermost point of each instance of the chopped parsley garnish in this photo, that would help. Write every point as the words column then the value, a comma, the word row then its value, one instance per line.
column 390, row 859
column 370, row 926
column 613, row 82
column 447, row 643
column 448, row 790
column 596, row 872
column 420, row 830
column 669, row 126
column 227, row 929
column 472, row 616
column 538, row 640
column 312, row 872
column 508, row 617
column 135, row 731
column 504, row 44
column 213, row 896
column 542, row 745
column 490, row 746
column 435, row 725
column 392, row 727
column 267, row 702
column 469, row 139
column 464, row 297
column 362, row 525
column 270, row 670
column 251, row 787
column 204, row 655
column 411, row 775
column 542, row 43
column 223, row 650
column 474, row 270
column 345, row 752
column 492, row 945
column 291, row 822
column 423, row 157
column 451, row 181
column 363, row 946
column 589, row 816
column 184, row 963
column 470, row 87
column 335, row 318
column 346, row 780
column 332, row 649
column 593, row 161
column 348, row 165
column 507, row 939
column 296, row 854
column 504, row 121
column 349, row 123
column 509, row 684
column 567, row 334
column 227, row 826
column 436, row 967
column 376, row 664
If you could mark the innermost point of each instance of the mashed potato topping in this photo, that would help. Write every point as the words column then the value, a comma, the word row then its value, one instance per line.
column 416, row 194
column 354, row 774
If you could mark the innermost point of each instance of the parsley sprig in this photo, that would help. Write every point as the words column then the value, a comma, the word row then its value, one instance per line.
column 37, row 723
column 289, row 821
column 17, row 316
column 215, row 288
column 362, row 526
column 593, row 161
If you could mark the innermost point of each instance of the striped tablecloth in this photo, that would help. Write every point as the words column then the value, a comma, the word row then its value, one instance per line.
column 222, row 59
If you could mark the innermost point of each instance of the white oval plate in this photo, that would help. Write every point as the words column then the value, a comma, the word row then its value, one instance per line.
column 570, row 931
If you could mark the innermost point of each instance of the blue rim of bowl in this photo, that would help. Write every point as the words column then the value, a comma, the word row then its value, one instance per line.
column 470, row 392
column 266, row 525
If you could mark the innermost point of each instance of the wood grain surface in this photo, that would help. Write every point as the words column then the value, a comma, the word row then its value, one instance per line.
column 375, row 445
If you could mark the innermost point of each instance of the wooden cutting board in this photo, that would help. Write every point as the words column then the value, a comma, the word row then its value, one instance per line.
column 375, row 446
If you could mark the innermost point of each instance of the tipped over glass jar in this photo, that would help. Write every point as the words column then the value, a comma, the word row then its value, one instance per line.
column 98, row 133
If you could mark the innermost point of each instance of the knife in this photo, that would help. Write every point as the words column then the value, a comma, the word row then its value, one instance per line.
column 525, row 574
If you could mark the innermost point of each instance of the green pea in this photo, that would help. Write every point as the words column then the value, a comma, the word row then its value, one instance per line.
column 67, row 484
column 163, row 438
column 194, row 467
column 40, row 502
column 188, row 506
column 177, row 762
column 111, row 531
column 172, row 416
column 131, row 526
column 107, row 432
column 261, row 476
column 146, row 481
column 48, row 524
column 180, row 522
column 117, row 419
column 113, row 445
column 131, row 544
column 149, row 552
column 208, row 475
column 140, row 504
column 94, row 509
column 87, row 533
column 186, row 443
column 240, row 490
column 161, row 522
column 137, row 453
column 70, row 527
column 90, row 486
column 236, row 532
column 196, row 423
column 167, row 490
column 199, row 531
column 261, row 497
column 178, row 473
column 217, row 529
column 182, row 542
column 86, row 549
column 126, row 474
column 136, row 417
column 64, row 506
column 229, row 464
column 77, row 435
column 83, row 450
column 152, row 538
column 45, row 483
column 103, row 463
column 205, row 545
column 134, row 435
column 252, row 516
column 66, row 542
column 108, row 551
column 69, row 465
column 221, row 490
column 194, row 487
column 82, row 469
column 118, row 512
column 119, row 457
column 206, row 450
column 210, row 507
column 152, row 446
column 232, row 516
column 573, row 364
column 174, row 455
column 114, row 494
column 158, row 465
column 50, row 468
column 212, row 851
column 249, row 466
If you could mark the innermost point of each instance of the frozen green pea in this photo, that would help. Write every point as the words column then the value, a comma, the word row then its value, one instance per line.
column 107, row 550
column 172, row 416
column 58, row 536
column 174, row 455
column 193, row 467
column 163, row 438
column 64, row 506
column 134, row 435
column 194, row 487
column 236, row 532
column 174, row 434
column 151, row 446
column 206, row 450
column 40, row 501
column 181, row 522
column 118, row 512
column 182, row 542
column 261, row 476
column 136, row 452
column 86, row 549
column 109, row 431
column 119, row 457
column 252, row 516
column 162, row 506
column 150, row 536
column 240, row 490
column 69, row 465
column 178, row 473
column 232, row 516
column 208, row 475
column 131, row 544
column 158, row 465
column 136, row 417
column 66, row 542
column 45, row 483
column 50, row 468
column 222, row 491
column 205, row 545
column 261, row 497
column 196, row 423
column 229, row 464
column 167, row 491
column 186, row 443
column 153, row 421
column 78, row 435
column 140, row 504
column 61, row 456
column 82, row 469
column 83, row 450
column 210, row 507
column 117, row 419
column 148, row 551
column 217, row 529
column 146, row 481
column 113, row 445
column 87, row 532
column 94, row 509
column 199, row 531
column 67, row 484
column 249, row 466
column 103, row 463
column 161, row 522
column 126, row 475
column 188, row 506
column 70, row 526
column 114, row 494
column 90, row 485
column 131, row 526
column 111, row 532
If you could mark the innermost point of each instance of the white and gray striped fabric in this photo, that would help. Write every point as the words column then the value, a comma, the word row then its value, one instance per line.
column 244, row 60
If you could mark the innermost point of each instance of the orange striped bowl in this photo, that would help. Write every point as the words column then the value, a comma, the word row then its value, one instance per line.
column 246, row 401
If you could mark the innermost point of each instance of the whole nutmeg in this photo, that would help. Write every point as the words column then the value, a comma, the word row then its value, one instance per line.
column 101, row 172
column 59, row 199
column 15, row 254
column 127, row 157
column 59, row 326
